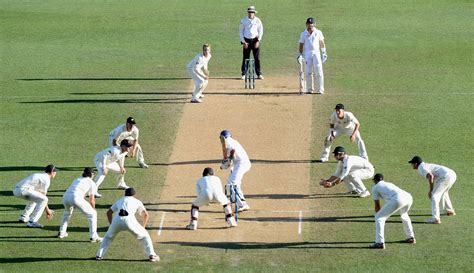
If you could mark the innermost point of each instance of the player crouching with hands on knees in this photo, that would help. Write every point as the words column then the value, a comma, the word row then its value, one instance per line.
column 34, row 189
column 209, row 189
column 352, row 170
column 395, row 199
column 124, row 219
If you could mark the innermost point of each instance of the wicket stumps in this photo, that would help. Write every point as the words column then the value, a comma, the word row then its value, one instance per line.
column 250, row 74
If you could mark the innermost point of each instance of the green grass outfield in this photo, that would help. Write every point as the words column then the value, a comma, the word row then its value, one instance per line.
column 72, row 70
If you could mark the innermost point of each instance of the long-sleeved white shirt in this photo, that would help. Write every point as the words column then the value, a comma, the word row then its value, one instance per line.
column 251, row 28
column 351, row 163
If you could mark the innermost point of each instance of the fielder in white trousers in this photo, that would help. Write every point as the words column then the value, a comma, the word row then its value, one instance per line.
column 74, row 198
column 198, row 70
column 396, row 199
column 124, row 220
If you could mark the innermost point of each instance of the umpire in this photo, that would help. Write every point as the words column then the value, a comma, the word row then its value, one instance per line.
column 251, row 32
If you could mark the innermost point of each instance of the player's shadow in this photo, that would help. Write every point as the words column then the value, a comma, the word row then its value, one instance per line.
column 254, row 161
column 37, row 168
column 262, row 245
column 107, row 79
column 53, row 259
column 112, row 101
column 334, row 219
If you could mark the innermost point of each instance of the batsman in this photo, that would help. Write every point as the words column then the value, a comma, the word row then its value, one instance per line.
column 235, row 158
column 313, row 49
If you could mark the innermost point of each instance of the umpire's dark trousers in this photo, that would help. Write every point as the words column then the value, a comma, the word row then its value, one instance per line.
column 256, row 55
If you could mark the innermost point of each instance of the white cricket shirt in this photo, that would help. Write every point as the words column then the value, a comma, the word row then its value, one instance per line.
column 129, row 203
column 387, row 191
column 311, row 41
column 348, row 121
column 207, row 183
column 351, row 163
column 81, row 187
column 240, row 155
column 120, row 133
column 198, row 63
column 437, row 170
column 110, row 155
column 38, row 182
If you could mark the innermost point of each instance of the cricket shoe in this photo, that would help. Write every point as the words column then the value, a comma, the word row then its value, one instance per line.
column 154, row 258
column 354, row 192
column 244, row 208
column 451, row 213
column 22, row 220
column 323, row 159
column 122, row 186
column 201, row 96
column 98, row 258
column 192, row 226
column 433, row 221
column 320, row 92
column 377, row 246
column 34, row 225
column 96, row 239
column 98, row 195
column 310, row 92
column 410, row 241
column 260, row 77
column 196, row 101
column 364, row 194
column 231, row 221
column 243, row 77
column 62, row 235
column 143, row 165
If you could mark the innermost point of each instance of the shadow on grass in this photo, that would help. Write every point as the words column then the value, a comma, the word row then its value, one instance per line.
column 262, row 245
column 37, row 168
column 107, row 79
column 124, row 101
column 288, row 196
column 335, row 219
column 254, row 161
column 52, row 259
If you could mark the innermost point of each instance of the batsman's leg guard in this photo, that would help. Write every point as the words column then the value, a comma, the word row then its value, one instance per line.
column 194, row 212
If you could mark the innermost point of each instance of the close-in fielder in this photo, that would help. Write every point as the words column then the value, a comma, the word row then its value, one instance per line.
column 440, row 179
column 34, row 189
column 198, row 70
column 395, row 199
column 74, row 198
column 233, row 151
column 124, row 220
column 130, row 132
column 113, row 159
column 209, row 189
column 313, row 49
column 343, row 122
column 352, row 170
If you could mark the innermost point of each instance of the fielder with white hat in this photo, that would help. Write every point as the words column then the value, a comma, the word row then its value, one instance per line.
column 395, row 199
column 352, row 170
column 313, row 49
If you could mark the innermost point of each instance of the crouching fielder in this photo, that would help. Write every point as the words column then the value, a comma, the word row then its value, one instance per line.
column 233, row 151
column 197, row 68
column 74, row 198
column 209, row 189
column 396, row 199
column 124, row 219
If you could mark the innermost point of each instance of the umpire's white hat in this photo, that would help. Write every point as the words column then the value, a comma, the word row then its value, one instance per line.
column 251, row 9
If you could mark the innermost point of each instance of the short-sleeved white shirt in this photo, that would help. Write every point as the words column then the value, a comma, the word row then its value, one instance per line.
column 208, row 183
column 81, row 187
column 437, row 170
column 38, row 182
column 129, row 203
column 110, row 155
column 347, row 122
column 251, row 28
column 199, row 62
column 120, row 133
column 351, row 163
column 240, row 155
column 311, row 41
column 386, row 191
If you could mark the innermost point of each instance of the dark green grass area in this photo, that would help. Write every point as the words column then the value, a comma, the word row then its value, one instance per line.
column 73, row 70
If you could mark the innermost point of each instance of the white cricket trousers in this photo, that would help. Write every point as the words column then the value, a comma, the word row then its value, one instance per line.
column 138, row 152
column 440, row 194
column 200, row 83
column 353, row 181
column 340, row 131
column 235, row 178
column 35, row 206
column 70, row 202
column 314, row 63
column 130, row 224
column 211, row 195
column 400, row 202
column 114, row 167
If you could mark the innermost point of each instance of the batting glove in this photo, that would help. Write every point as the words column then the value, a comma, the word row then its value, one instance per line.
column 300, row 59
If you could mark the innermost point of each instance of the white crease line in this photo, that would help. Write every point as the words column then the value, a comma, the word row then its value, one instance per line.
column 161, row 223
column 300, row 223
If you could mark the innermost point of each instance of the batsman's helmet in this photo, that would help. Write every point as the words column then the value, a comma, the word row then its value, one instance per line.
column 339, row 150
column 225, row 134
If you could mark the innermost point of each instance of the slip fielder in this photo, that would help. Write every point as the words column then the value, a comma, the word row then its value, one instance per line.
column 130, row 132
column 34, row 189
column 395, row 199
column 440, row 180
column 343, row 122
column 74, row 198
